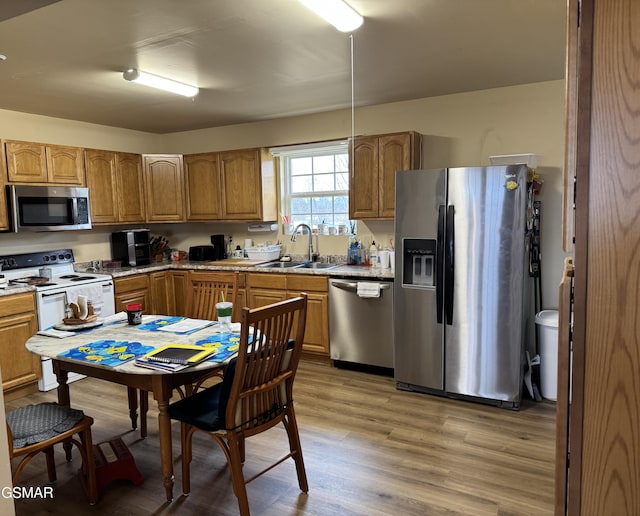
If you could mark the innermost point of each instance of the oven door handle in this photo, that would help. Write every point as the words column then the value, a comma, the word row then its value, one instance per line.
column 353, row 286
column 49, row 294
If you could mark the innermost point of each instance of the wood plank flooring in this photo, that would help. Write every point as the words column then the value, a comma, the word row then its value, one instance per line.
column 369, row 449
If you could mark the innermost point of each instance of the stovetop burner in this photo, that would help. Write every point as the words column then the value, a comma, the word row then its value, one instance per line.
column 68, row 276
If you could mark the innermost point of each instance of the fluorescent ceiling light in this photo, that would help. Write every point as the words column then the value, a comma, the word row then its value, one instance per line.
column 336, row 12
column 161, row 83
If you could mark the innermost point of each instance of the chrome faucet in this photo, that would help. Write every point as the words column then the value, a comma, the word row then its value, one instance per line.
column 312, row 255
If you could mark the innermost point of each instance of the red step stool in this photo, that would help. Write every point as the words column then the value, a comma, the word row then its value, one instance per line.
column 114, row 461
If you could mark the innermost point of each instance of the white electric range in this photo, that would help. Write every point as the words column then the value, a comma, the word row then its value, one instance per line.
column 57, row 285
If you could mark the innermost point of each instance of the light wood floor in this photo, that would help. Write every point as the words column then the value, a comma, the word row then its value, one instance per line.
column 369, row 449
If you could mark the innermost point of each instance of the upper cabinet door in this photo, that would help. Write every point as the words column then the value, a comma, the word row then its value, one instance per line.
column 164, row 187
column 241, row 184
column 101, row 180
column 363, row 190
column 65, row 165
column 30, row 162
column 130, row 187
column 395, row 152
column 26, row 162
column 376, row 159
column 202, row 187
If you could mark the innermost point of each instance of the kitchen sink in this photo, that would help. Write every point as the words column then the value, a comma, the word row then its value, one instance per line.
column 297, row 265
column 316, row 265
column 280, row 265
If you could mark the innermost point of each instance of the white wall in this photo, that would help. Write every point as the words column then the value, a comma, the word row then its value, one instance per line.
column 45, row 129
column 458, row 130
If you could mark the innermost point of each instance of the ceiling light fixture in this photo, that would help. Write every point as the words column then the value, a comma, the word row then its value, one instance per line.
column 160, row 83
column 342, row 16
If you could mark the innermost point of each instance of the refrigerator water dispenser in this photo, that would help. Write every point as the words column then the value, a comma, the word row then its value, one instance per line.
column 418, row 262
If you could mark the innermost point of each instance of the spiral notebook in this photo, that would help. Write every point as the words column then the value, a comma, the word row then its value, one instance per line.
column 183, row 354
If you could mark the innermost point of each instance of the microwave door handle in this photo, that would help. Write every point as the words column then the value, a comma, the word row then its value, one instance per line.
column 74, row 209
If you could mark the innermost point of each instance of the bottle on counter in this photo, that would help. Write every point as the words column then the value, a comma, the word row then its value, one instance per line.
column 373, row 254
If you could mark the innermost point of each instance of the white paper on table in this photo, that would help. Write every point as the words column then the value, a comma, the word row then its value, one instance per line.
column 186, row 325
column 58, row 334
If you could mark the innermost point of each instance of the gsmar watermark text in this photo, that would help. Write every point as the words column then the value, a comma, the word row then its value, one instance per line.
column 18, row 492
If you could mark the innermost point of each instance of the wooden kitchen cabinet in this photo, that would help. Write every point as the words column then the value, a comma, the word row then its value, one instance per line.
column 159, row 292
column 130, row 187
column 178, row 292
column 30, row 162
column 316, row 334
column 115, row 186
column 133, row 289
column 203, row 199
column 235, row 185
column 375, row 162
column 264, row 289
column 164, row 187
column 20, row 368
column 248, row 185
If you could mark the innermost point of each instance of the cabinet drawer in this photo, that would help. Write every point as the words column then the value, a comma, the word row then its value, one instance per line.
column 300, row 283
column 137, row 282
column 276, row 281
column 18, row 304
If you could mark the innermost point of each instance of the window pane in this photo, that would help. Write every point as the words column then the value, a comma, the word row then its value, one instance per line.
column 342, row 162
column 341, row 204
column 323, row 164
column 342, row 218
column 342, row 181
column 301, row 166
column 300, row 205
column 323, row 183
column 322, row 205
column 301, row 184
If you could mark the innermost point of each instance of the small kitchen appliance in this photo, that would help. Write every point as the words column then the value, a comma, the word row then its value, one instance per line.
column 201, row 253
column 49, row 208
column 219, row 247
column 131, row 247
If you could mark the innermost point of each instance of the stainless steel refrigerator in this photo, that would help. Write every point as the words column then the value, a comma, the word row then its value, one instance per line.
column 462, row 288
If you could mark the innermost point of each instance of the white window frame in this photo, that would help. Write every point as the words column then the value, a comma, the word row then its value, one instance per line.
column 306, row 150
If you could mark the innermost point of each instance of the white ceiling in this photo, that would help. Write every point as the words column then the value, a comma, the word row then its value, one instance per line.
column 263, row 59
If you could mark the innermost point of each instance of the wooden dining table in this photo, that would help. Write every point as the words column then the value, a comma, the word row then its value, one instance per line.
column 160, row 383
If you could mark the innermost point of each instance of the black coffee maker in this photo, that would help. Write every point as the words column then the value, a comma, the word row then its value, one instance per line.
column 219, row 247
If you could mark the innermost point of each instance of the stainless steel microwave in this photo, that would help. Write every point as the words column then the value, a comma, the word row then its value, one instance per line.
column 49, row 208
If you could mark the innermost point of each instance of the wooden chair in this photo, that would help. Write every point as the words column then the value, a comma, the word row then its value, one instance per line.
column 37, row 428
column 205, row 290
column 255, row 394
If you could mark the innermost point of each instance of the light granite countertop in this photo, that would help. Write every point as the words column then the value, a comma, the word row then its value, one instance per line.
column 339, row 271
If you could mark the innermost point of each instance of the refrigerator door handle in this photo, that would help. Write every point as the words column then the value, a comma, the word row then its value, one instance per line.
column 440, row 265
column 448, row 264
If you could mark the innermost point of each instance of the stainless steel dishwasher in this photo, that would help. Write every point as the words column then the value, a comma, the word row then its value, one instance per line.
column 361, row 328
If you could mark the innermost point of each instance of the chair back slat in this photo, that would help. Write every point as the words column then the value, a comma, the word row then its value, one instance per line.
column 266, row 364
column 209, row 288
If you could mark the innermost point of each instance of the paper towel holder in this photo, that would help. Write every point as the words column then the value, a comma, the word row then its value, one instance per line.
column 254, row 228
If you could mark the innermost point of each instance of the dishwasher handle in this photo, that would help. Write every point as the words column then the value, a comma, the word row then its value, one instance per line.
column 353, row 286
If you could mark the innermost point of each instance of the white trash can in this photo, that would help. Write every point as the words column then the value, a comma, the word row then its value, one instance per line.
column 547, row 322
